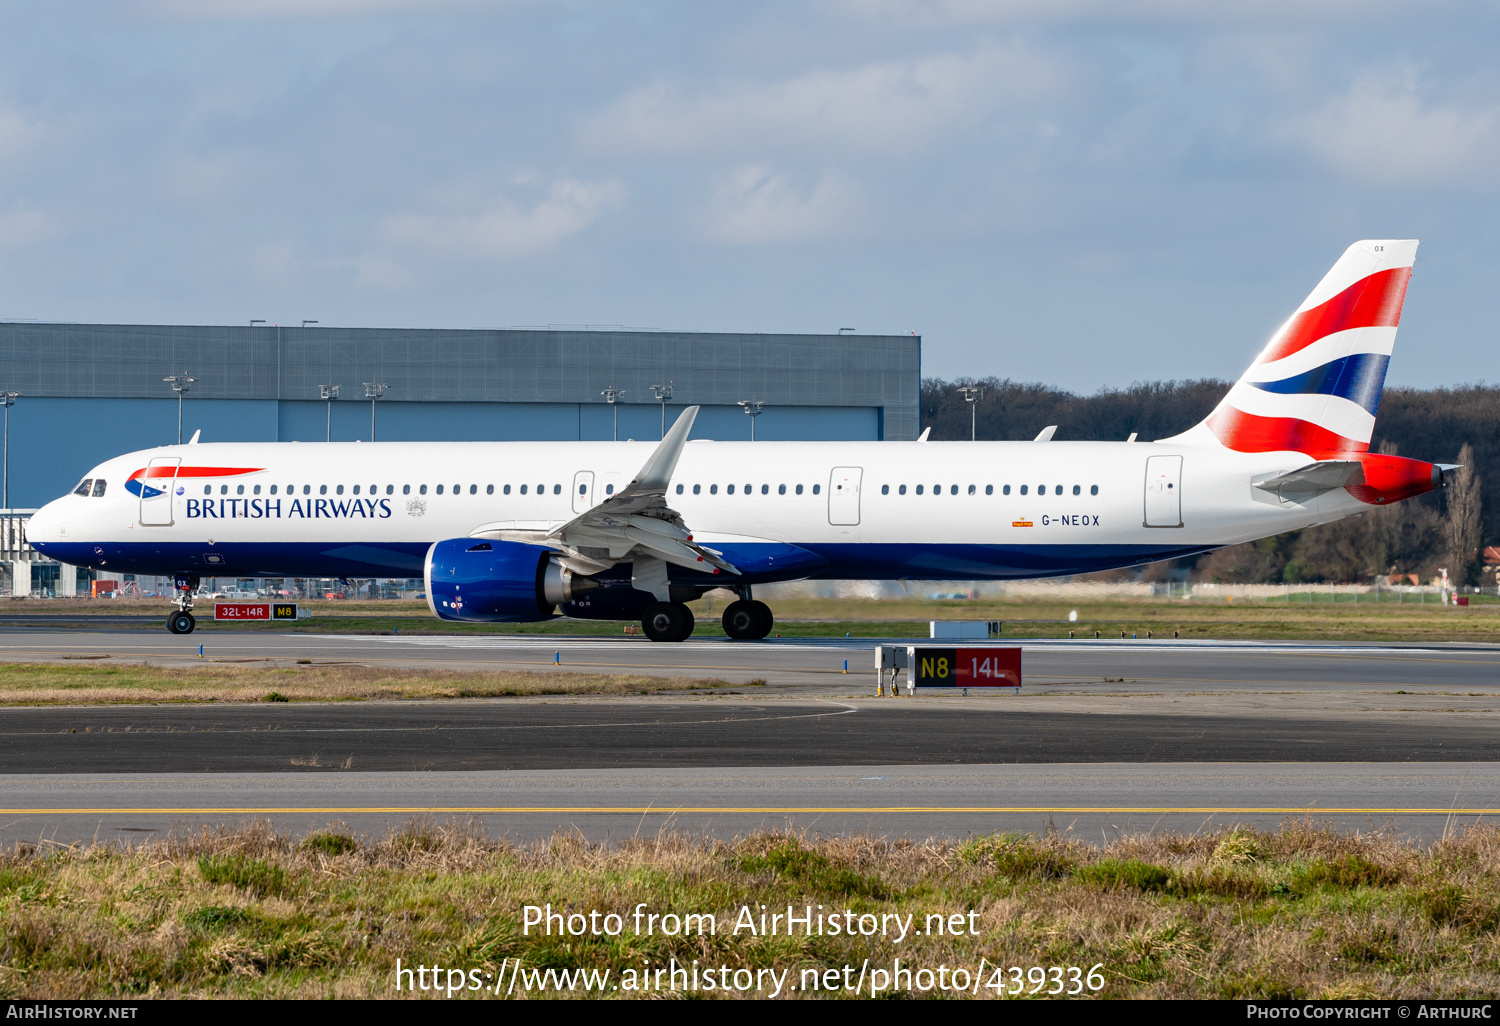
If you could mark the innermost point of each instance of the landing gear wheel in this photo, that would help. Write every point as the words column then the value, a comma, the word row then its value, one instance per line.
column 667, row 621
column 181, row 623
column 748, row 620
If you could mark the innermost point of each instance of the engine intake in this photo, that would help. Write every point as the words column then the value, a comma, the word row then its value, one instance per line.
column 497, row 581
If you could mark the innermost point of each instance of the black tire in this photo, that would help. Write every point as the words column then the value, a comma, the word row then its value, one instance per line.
column 748, row 621
column 667, row 621
column 181, row 623
column 765, row 621
column 741, row 621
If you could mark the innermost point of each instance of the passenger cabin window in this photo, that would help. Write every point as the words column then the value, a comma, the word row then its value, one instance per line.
column 489, row 489
column 505, row 490
column 1077, row 490
column 953, row 490
column 523, row 489
column 781, row 489
column 919, row 489
column 307, row 489
column 989, row 489
column 1057, row 490
column 885, row 489
column 729, row 489
column 98, row 487
column 273, row 489
column 239, row 489
column 474, row 489
column 679, row 489
column 1023, row 489
column 406, row 489
column 971, row 489
column 440, row 489
column 713, row 489
column 223, row 489
column 697, row 489
column 1005, row 490
column 208, row 489
column 799, row 489
column 84, row 486
column 557, row 489
column 421, row 489
column 817, row 489
column 1093, row 489
column 356, row 489
column 322, row 489
column 901, row 490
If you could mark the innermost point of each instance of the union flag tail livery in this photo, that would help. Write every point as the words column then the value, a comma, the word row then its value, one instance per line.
column 1316, row 386
column 518, row 531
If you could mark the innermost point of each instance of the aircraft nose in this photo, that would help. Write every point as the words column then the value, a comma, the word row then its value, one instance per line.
column 41, row 526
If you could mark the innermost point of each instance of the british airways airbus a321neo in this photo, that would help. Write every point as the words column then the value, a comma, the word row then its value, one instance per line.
column 518, row 531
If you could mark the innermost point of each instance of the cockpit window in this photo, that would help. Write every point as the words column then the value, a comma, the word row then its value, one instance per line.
column 98, row 487
column 83, row 486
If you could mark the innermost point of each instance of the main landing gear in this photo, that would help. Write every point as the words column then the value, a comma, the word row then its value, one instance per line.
column 748, row 620
column 182, row 621
column 667, row 621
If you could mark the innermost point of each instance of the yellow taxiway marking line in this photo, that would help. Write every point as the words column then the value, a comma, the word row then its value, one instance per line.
column 766, row 810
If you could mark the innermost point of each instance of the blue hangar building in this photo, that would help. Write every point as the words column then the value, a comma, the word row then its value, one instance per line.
column 93, row 391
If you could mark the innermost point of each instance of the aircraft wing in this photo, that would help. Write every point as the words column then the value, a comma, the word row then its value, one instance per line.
column 1315, row 478
column 637, row 520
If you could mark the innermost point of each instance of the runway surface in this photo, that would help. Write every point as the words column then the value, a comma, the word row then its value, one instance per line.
column 595, row 733
column 801, row 663
column 1105, row 736
column 1092, row 802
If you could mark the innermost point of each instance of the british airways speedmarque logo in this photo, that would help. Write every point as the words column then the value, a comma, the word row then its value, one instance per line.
column 161, row 477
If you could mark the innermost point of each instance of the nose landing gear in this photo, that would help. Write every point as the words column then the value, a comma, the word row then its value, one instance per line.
column 182, row 621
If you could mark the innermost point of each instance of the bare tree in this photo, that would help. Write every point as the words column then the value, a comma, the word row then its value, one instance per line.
column 1461, row 528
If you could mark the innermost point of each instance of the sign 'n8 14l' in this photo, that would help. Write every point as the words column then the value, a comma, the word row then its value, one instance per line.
column 965, row 667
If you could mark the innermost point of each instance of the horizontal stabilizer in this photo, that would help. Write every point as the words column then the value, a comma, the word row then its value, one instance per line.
column 1314, row 479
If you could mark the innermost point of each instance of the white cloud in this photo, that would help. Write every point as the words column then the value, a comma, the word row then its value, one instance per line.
column 755, row 205
column 1381, row 130
column 26, row 228
column 890, row 106
column 205, row 9
column 1195, row 12
column 503, row 229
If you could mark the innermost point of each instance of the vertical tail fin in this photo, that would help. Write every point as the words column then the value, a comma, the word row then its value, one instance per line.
column 1316, row 386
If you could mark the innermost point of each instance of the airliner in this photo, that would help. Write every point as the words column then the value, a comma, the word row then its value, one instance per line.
column 506, row 532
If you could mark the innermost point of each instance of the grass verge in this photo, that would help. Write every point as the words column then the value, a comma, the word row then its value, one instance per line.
column 64, row 684
column 1304, row 912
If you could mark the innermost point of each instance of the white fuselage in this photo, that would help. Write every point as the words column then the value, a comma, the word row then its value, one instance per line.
column 867, row 509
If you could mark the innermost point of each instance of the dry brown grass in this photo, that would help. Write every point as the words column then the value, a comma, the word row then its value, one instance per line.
column 1302, row 912
column 96, row 683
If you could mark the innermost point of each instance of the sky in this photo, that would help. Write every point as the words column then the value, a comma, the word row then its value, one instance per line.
column 1081, row 193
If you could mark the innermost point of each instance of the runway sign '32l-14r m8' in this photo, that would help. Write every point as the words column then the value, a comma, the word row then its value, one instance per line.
column 255, row 610
column 965, row 667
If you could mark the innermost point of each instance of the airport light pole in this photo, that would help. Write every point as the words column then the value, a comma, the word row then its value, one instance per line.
column 329, row 394
column 374, row 390
column 180, row 384
column 972, row 393
column 7, row 400
column 753, row 408
column 613, row 395
column 663, row 393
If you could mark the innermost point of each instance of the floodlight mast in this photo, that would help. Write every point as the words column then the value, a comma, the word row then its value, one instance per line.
column 972, row 393
column 613, row 395
column 663, row 393
column 180, row 384
column 373, row 391
column 7, row 400
column 329, row 393
column 753, row 408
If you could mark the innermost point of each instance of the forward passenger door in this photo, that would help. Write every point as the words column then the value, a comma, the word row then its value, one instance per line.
column 158, row 491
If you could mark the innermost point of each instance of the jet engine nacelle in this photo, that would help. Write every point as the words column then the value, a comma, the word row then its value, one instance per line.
column 497, row 581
